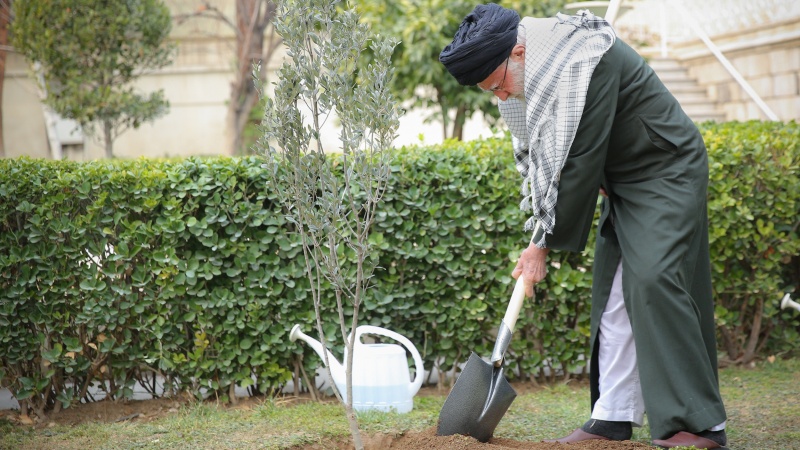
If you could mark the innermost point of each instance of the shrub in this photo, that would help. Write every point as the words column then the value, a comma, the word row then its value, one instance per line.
column 113, row 271
column 753, row 212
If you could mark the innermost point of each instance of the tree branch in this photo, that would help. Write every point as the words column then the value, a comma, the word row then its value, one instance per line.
column 205, row 10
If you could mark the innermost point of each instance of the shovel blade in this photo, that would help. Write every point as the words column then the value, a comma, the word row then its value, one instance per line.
column 477, row 402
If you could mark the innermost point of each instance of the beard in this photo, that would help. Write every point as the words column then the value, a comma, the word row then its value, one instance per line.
column 517, row 88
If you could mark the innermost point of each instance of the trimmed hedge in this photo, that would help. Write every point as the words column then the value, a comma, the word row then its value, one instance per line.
column 114, row 270
column 451, row 231
column 754, row 213
column 111, row 271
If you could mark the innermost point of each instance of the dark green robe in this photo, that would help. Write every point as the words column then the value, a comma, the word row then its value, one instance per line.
column 636, row 142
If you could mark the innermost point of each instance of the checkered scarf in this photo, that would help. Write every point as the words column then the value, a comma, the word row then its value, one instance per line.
column 560, row 56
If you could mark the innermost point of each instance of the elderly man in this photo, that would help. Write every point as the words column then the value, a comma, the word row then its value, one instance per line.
column 586, row 113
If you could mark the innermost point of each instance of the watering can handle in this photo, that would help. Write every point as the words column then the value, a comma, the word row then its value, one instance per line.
column 420, row 368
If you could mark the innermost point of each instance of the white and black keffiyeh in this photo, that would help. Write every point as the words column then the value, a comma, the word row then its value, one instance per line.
column 560, row 56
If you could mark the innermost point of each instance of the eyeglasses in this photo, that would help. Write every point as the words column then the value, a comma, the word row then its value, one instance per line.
column 500, row 86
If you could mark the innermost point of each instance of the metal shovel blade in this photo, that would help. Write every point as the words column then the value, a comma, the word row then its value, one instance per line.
column 477, row 402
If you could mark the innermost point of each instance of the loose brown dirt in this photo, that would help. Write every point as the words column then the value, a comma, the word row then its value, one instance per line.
column 149, row 410
column 107, row 411
column 427, row 439
column 102, row 412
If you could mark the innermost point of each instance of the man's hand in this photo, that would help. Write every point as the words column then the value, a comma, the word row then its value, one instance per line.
column 533, row 265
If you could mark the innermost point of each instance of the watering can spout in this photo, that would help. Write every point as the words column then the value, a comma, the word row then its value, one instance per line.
column 336, row 368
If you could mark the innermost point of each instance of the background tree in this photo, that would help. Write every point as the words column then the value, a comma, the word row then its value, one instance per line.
column 424, row 28
column 331, row 201
column 89, row 53
column 254, row 45
column 5, row 20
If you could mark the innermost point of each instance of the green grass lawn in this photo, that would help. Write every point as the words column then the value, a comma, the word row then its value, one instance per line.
column 763, row 405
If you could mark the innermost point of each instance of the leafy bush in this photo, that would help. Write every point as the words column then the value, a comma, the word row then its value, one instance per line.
column 753, row 212
column 451, row 231
column 113, row 271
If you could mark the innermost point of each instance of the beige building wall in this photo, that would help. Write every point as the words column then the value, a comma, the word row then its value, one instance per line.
column 196, row 84
column 767, row 57
column 23, row 118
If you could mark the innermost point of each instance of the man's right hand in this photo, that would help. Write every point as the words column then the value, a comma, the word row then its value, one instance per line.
column 532, row 265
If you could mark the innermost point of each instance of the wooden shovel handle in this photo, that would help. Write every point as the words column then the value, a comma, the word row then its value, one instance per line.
column 518, row 296
column 515, row 304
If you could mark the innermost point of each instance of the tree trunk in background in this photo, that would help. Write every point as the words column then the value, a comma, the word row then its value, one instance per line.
column 252, row 19
column 108, row 139
column 457, row 131
column 252, row 46
column 458, row 124
column 5, row 19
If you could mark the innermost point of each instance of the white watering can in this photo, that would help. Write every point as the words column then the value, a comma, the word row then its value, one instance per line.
column 380, row 371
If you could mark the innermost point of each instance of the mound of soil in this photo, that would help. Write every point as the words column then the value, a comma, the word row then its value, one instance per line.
column 427, row 439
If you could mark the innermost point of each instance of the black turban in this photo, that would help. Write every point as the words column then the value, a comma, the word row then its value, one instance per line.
column 483, row 41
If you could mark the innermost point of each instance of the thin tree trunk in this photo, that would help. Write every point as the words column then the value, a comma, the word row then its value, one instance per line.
column 458, row 124
column 232, row 394
column 250, row 26
column 296, row 377
column 107, row 139
column 241, row 117
column 85, row 388
column 5, row 17
column 310, row 383
column 440, row 99
column 252, row 17
column 351, row 418
column 452, row 376
column 729, row 343
column 755, row 331
column 40, row 412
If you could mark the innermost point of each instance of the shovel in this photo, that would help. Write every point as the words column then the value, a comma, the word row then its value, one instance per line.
column 481, row 394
